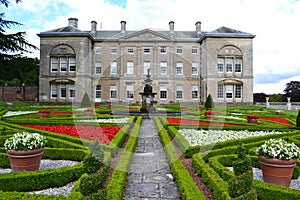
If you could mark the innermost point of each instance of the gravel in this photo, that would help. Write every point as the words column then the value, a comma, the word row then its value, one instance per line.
column 52, row 164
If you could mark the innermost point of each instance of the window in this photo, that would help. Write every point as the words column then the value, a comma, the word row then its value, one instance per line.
column 72, row 64
column 238, row 65
column 54, row 64
column 113, row 92
column 194, row 50
column 179, row 92
column 220, row 91
column 238, row 91
column 163, row 92
column 163, row 68
column 71, row 91
column 53, row 89
column 63, row 91
column 220, row 65
column 146, row 67
column 179, row 68
column 194, row 92
column 194, row 68
column 129, row 92
column 163, row 49
column 98, row 67
column 113, row 68
column 98, row 50
column 229, row 91
column 147, row 50
column 98, row 93
column 229, row 63
column 130, row 50
column 179, row 50
column 129, row 67
column 113, row 50
column 63, row 64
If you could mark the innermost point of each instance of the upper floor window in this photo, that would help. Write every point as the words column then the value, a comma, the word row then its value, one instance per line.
column 194, row 50
column 147, row 50
column 72, row 64
column 229, row 65
column 194, row 68
column 113, row 50
column 63, row 64
column 130, row 67
column 179, row 50
column 179, row 92
column 179, row 68
column 98, row 68
column 129, row 92
column 113, row 68
column 54, row 64
column 163, row 49
column 130, row 50
column 163, row 68
column 98, row 50
column 220, row 65
column 238, row 65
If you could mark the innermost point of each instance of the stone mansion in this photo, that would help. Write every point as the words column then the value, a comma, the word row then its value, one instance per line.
column 110, row 65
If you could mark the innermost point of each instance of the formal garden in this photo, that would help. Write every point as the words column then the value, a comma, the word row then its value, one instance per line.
column 95, row 149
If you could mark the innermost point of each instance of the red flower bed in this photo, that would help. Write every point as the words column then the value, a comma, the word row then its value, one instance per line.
column 279, row 120
column 104, row 133
column 191, row 122
column 60, row 113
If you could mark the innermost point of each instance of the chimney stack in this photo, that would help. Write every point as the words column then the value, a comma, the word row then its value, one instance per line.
column 73, row 22
column 171, row 26
column 123, row 26
column 94, row 26
column 198, row 27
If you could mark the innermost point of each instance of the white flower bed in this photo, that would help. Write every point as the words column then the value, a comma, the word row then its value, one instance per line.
column 201, row 137
column 14, row 113
column 231, row 117
column 110, row 120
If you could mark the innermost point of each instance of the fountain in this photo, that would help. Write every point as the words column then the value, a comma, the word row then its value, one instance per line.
column 147, row 96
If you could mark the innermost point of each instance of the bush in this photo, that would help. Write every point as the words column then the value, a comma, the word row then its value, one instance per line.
column 209, row 103
column 91, row 164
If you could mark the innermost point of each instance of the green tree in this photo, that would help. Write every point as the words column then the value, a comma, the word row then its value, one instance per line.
column 298, row 120
column 276, row 98
column 12, row 45
column 209, row 103
column 292, row 90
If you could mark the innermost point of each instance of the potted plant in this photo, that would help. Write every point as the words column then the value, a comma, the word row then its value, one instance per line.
column 9, row 105
column 252, row 119
column 44, row 113
column 25, row 151
column 278, row 158
column 209, row 114
column 88, row 112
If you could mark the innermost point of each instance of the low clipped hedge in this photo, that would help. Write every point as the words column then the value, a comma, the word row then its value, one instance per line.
column 116, row 184
column 187, row 188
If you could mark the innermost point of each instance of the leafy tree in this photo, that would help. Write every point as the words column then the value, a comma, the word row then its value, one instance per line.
column 259, row 97
column 276, row 98
column 292, row 90
column 12, row 45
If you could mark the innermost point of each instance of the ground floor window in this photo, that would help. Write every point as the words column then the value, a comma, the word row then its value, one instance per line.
column 231, row 91
column 129, row 92
column 163, row 93
column 194, row 92
column 62, row 91
column 113, row 92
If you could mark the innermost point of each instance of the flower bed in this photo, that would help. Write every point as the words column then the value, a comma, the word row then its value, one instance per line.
column 201, row 137
column 110, row 120
column 192, row 122
column 104, row 133
column 279, row 120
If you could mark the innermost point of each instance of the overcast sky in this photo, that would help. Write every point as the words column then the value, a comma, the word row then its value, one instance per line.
column 274, row 22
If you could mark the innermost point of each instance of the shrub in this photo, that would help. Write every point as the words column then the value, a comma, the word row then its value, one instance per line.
column 91, row 164
column 86, row 101
column 298, row 120
column 209, row 103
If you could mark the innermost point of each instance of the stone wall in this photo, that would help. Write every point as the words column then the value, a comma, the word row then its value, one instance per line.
column 19, row 93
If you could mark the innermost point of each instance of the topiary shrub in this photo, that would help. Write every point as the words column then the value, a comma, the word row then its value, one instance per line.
column 91, row 164
column 86, row 101
column 298, row 120
column 240, row 186
column 209, row 103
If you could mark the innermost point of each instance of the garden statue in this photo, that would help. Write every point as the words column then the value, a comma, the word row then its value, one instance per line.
column 147, row 96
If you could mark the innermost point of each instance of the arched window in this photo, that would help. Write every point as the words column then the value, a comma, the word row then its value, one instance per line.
column 230, row 60
column 62, row 60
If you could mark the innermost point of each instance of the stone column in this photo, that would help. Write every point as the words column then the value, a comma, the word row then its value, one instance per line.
column 289, row 105
column 267, row 102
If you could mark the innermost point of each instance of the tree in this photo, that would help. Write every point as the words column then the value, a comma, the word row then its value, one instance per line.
column 276, row 98
column 12, row 45
column 209, row 104
column 259, row 97
column 292, row 90
column 298, row 120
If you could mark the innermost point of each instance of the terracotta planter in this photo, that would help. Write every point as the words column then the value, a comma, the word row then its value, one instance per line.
column 88, row 112
column 210, row 117
column 28, row 160
column 44, row 115
column 9, row 105
column 277, row 171
column 278, row 113
column 252, row 121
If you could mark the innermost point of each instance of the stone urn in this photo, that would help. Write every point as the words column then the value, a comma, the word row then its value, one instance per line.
column 252, row 119
column 25, row 160
column 277, row 171
column 44, row 113
column 88, row 112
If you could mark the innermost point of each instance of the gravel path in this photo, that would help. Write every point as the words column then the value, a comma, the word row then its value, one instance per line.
column 52, row 164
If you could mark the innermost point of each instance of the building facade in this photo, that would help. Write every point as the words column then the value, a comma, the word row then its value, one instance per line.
column 110, row 66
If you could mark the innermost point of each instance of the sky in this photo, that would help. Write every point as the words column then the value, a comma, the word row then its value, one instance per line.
column 275, row 23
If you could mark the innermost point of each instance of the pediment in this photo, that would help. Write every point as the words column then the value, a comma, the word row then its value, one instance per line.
column 146, row 35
